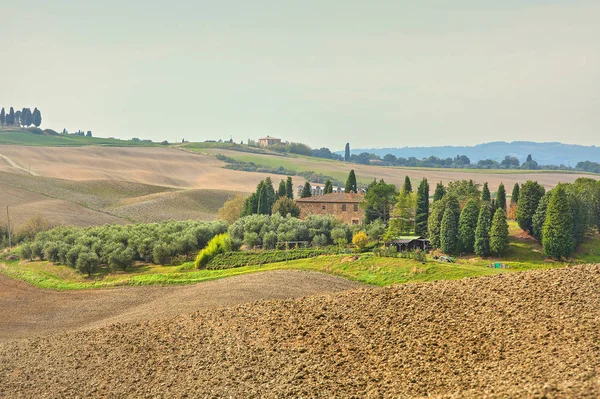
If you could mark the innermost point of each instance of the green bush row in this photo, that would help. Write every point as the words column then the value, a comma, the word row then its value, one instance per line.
column 230, row 260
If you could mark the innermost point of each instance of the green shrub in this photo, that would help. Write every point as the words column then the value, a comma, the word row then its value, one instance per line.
column 218, row 245
column 87, row 262
column 228, row 260
column 25, row 251
column 51, row 251
column 161, row 254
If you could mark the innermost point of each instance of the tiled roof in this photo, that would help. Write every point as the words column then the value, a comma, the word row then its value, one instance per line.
column 334, row 197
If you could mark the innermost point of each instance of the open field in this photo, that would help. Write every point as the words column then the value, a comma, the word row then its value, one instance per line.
column 533, row 334
column 41, row 312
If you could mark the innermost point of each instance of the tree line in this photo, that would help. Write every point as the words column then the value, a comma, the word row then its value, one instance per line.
column 24, row 118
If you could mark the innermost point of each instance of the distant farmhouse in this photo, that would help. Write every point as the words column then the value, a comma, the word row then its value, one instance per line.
column 268, row 141
column 344, row 207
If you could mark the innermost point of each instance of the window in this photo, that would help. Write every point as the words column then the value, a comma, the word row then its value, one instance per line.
column 324, row 207
column 355, row 207
column 354, row 221
column 344, row 207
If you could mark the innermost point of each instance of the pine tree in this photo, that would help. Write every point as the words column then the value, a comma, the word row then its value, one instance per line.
column 2, row 117
column 449, row 227
column 499, row 233
column 351, row 186
column 289, row 188
column 422, row 209
column 529, row 158
column 281, row 192
column 306, row 191
column 328, row 189
column 10, row 118
column 467, row 224
column 407, row 187
column 347, row 152
column 514, row 197
column 440, row 191
column 538, row 219
column 501, row 197
column 529, row 197
column 435, row 222
column 558, row 228
column 482, row 233
column 37, row 117
column 485, row 193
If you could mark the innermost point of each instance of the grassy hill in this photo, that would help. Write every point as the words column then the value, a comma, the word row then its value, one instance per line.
column 24, row 137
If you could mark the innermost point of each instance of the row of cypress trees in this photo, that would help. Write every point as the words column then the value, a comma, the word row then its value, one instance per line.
column 24, row 118
column 480, row 227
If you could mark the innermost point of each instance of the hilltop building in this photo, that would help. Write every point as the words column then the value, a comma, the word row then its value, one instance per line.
column 345, row 207
column 268, row 141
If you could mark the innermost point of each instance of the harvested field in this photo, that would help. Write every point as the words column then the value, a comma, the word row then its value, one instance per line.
column 27, row 311
column 534, row 334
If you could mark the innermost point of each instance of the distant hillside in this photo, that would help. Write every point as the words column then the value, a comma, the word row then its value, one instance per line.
column 543, row 153
column 50, row 138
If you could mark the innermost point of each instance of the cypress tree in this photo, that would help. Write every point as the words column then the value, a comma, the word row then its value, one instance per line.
column 422, row 209
column 577, row 215
column 557, row 237
column 328, row 187
column 351, row 183
column 281, row 192
column 501, row 197
column 449, row 227
column 347, row 152
column 435, row 222
column 538, row 219
column 306, row 191
column 499, row 233
column 289, row 188
column 407, row 187
column 485, row 193
column 10, row 118
column 529, row 197
column 482, row 233
column 514, row 197
column 439, row 192
column 2, row 117
column 37, row 117
column 467, row 225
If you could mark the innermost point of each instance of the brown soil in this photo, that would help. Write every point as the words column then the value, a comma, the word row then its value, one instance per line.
column 27, row 311
column 534, row 334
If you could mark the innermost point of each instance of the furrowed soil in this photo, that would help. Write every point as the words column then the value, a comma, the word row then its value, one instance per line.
column 533, row 334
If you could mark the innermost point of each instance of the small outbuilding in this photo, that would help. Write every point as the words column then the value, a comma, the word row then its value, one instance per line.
column 409, row 243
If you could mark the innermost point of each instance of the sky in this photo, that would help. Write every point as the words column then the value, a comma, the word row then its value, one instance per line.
column 375, row 73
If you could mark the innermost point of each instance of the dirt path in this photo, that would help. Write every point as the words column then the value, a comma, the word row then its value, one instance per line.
column 27, row 311
column 15, row 165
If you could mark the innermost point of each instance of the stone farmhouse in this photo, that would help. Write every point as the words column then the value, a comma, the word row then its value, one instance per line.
column 268, row 141
column 345, row 207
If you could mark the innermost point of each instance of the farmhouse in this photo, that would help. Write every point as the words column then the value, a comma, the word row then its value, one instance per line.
column 345, row 207
column 268, row 141
column 409, row 243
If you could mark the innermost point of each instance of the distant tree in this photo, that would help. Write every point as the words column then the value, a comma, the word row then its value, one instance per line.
column 390, row 159
column 482, row 233
column 514, row 197
column 501, row 197
column 26, row 117
column 347, row 152
column 529, row 197
column 87, row 262
column 529, row 158
column 10, row 119
column 402, row 220
column 360, row 240
column 266, row 197
column 485, row 193
column 282, row 192
column 537, row 222
column 558, row 228
column 18, row 118
column 376, row 230
column 407, row 187
column 351, row 186
column 378, row 201
column 467, row 224
column 37, row 117
column 289, row 188
column 285, row 206
column 306, row 191
column 422, row 208
column 439, row 192
column 510, row 162
column 464, row 190
column 449, row 228
column 231, row 209
column 328, row 189
column 2, row 117
column 89, row 134
column 499, row 233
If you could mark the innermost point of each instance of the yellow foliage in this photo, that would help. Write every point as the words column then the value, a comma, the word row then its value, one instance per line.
column 360, row 239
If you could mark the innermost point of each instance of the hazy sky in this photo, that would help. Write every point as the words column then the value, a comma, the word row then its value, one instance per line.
column 376, row 73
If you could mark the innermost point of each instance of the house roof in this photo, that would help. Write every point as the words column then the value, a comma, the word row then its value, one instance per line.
column 407, row 239
column 269, row 138
column 334, row 197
